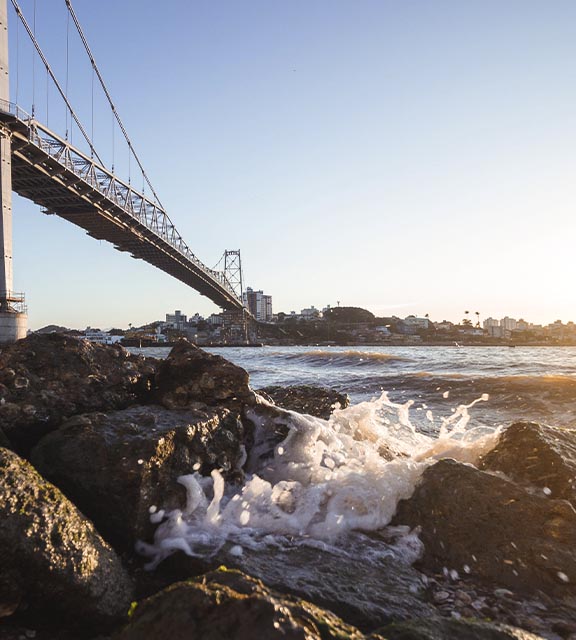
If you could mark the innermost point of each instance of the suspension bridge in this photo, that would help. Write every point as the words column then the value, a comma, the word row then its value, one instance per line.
column 64, row 180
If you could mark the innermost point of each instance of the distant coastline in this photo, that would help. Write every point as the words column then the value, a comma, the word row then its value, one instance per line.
column 392, row 343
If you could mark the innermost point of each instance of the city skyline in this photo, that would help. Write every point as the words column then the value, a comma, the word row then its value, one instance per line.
column 473, row 318
column 403, row 159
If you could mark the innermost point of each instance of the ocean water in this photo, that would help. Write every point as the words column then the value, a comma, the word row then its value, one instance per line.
column 523, row 383
column 329, row 481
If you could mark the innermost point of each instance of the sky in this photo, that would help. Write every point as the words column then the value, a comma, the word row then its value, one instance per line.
column 407, row 157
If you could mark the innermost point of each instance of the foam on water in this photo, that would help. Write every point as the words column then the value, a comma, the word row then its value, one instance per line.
column 325, row 480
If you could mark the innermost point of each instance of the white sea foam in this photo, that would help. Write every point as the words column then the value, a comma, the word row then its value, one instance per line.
column 325, row 479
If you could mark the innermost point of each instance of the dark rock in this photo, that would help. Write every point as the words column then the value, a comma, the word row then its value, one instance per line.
column 360, row 585
column 364, row 593
column 4, row 442
column 45, row 379
column 315, row 401
column 116, row 466
column 229, row 605
column 538, row 455
column 15, row 631
column 51, row 558
column 476, row 522
column 447, row 629
column 190, row 375
column 267, row 426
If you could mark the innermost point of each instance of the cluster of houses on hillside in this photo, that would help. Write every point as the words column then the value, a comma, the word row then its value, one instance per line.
column 314, row 325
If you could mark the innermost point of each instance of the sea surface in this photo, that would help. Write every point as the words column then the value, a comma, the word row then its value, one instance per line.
column 522, row 383
column 329, row 482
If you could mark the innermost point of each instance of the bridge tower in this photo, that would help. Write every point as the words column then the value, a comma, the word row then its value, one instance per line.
column 13, row 319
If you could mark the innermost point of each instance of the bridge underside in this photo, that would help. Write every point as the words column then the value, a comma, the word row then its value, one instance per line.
column 58, row 190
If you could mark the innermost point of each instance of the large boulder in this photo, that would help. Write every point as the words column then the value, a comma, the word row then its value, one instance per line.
column 53, row 564
column 190, row 375
column 480, row 524
column 117, row 467
column 310, row 399
column 229, row 605
column 45, row 379
column 537, row 455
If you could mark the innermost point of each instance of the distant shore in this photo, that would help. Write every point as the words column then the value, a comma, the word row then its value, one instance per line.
column 392, row 343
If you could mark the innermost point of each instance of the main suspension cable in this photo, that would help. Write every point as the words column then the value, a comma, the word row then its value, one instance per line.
column 67, row 69
column 49, row 69
column 34, row 64
column 109, row 97
column 17, row 59
column 47, row 99
column 92, row 100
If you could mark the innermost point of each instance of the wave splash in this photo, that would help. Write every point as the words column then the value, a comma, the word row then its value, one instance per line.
column 325, row 480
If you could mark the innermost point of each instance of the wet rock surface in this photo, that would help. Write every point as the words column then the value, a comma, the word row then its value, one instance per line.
column 190, row 375
column 537, row 455
column 229, row 605
column 462, row 597
column 363, row 593
column 315, row 401
column 117, row 466
column 446, row 629
column 46, row 379
column 493, row 530
column 53, row 563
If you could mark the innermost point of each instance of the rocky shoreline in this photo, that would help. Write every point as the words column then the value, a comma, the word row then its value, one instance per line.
column 93, row 439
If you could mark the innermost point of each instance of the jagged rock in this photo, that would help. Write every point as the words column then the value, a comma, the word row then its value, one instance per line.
column 449, row 629
column 538, row 455
column 267, row 427
column 475, row 522
column 190, row 375
column 116, row 466
column 315, row 401
column 364, row 593
column 229, row 605
column 44, row 379
column 54, row 563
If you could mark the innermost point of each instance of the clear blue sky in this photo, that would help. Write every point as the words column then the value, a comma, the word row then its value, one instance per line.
column 403, row 156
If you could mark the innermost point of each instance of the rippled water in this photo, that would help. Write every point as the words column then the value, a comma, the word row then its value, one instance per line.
column 528, row 383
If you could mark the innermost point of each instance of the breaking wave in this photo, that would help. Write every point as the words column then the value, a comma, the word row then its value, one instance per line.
column 324, row 480
column 351, row 357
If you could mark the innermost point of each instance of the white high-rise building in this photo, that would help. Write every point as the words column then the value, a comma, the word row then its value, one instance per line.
column 490, row 322
column 258, row 303
column 509, row 324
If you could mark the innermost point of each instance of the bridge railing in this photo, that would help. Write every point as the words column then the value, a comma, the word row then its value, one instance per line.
column 15, row 110
column 13, row 301
column 145, row 211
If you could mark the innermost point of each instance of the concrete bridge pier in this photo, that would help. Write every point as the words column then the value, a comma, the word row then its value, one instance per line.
column 13, row 318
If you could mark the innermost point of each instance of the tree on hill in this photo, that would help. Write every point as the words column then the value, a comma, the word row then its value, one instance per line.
column 348, row 315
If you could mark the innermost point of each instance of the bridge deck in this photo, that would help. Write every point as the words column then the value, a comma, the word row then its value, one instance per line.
column 59, row 178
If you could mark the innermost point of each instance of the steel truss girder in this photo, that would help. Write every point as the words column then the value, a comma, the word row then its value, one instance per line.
column 91, row 186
